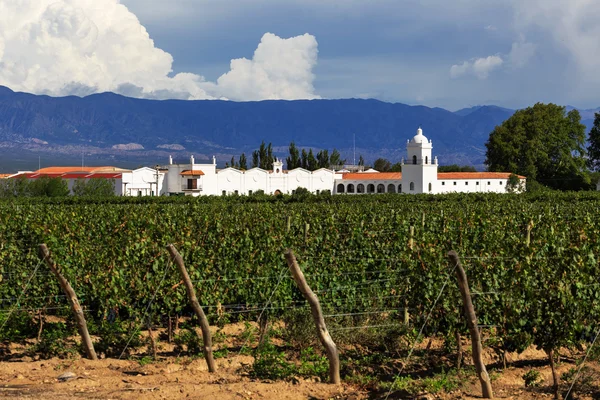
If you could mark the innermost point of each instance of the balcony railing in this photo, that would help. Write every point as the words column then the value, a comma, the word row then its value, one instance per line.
column 187, row 188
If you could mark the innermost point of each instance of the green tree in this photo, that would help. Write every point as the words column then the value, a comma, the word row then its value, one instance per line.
column 544, row 143
column 243, row 163
column 97, row 187
column 396, row 167
column 304, row 159
column 48, row 187
column 255, row 159
column 456, row 168
column 361, row 160
column 293, row 161
column 323, row 159
column 594, row 147
column 382, row 165
column 335, row 160
column 312, row 163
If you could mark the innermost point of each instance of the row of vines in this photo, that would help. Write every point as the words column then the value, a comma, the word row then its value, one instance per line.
column 532, row 262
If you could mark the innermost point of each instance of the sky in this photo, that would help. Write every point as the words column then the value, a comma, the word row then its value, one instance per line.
column 438, row 53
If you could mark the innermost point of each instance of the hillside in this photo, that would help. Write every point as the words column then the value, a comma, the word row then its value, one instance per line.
column 127, row 131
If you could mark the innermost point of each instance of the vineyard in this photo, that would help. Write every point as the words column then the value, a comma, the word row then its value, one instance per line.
column 378, row 265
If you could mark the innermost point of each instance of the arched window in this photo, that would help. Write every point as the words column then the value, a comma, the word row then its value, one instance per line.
column 400, row 188
column 360, row 188
column 350, row 188
column 370, row 188
column 426, row 160
column 380, row 188
column 412, row 186
column 415, row 160
column 340, row 188
column 391, row 188
column 430, row 186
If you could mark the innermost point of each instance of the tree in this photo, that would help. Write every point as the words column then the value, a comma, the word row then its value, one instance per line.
column 255, row 159
column 293, row 161
column 361, row 160
column 594, row 147
column 48, row 187
column 97, row 187
column 312, row 163
column 543, row 143
column 396, row 167
column 382, row 165
column 335, row 160
column 323, row 159
column 243, row 163
column 304, row 159
column 456, row 168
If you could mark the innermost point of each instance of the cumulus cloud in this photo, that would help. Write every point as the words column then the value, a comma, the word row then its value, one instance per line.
column 480, row 67
column 521, row 52
column 63, row 47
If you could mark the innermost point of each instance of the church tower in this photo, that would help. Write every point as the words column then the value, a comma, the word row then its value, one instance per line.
column 419, row 171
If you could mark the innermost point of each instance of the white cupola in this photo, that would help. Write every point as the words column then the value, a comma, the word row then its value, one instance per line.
column 419, row 170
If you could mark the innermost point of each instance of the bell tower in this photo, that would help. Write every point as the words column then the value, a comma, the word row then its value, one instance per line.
column 419, row 171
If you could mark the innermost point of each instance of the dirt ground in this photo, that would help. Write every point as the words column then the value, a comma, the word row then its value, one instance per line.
column 184, row 377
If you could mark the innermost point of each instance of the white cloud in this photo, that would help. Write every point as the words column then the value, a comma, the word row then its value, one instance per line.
column 480, row 67
column 520, row 53
column 280, row 69
column 63, row 47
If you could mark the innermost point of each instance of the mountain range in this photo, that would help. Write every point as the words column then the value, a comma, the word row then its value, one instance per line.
column 110, row 128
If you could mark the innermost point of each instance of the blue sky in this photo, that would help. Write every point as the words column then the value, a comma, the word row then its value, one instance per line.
column 449, row 54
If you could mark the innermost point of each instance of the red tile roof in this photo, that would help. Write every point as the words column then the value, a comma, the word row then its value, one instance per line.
column 64, row 170
column 75, row 175
column 2, row 176
column 189, row 172
column 475, row 175
column 370, row 176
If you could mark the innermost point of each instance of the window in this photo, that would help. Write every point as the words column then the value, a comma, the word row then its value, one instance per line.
column 443, row 183
column 293, row 192
column 466, row 183
column 430, row 186
column 277, row 171
column 139, row 193
column 249, row 192
column 489, row 183
column 391, row 188
column 370, row 188
column 360, row 188
column 224, row 193
column 236, row 192
column 340, row 188
column 380, row 188
column 192, row 184
column 455, row 183
column 318, row 192
column 350, row 188
column 476, row 183
column 400, row 188
column 426, row 160
column 415, row 160
column 412, row 186
column 500, row 182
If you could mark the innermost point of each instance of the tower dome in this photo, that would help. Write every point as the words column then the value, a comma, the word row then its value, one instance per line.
column 419, row 137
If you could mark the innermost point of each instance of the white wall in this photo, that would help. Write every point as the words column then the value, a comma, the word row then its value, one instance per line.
column 142, row 182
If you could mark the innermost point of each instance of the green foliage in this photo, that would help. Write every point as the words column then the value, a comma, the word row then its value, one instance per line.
column 456, row 168
column 532, row 378
column 543, row 143
column 271, row 363
column 313, row 364
column 188, row 341
column 382, row 165
column 54, row 342
column 594, row 145
column 97, row 187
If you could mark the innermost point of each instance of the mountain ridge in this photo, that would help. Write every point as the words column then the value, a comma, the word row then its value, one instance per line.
column 103, row 126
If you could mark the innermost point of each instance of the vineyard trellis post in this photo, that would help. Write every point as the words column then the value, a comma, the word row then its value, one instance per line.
column 204, row 326
column 317, row 313
column 465, row 292
column 306, row 229
column 86, row 340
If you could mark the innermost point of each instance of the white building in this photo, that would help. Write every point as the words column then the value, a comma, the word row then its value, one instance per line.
column 420, row 175
column 204, row 179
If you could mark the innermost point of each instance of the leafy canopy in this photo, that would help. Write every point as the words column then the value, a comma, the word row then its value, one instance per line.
column 545, row 144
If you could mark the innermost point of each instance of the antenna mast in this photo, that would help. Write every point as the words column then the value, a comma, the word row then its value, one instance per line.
column 354, row 144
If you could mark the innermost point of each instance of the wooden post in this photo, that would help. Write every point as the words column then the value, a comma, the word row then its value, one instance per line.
column 315, row 308
column 306, row 228
column 411, row 240
column 204, row 326
column 288, row 223
column 423, row 219
column 44, row 254
column 463, row 284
